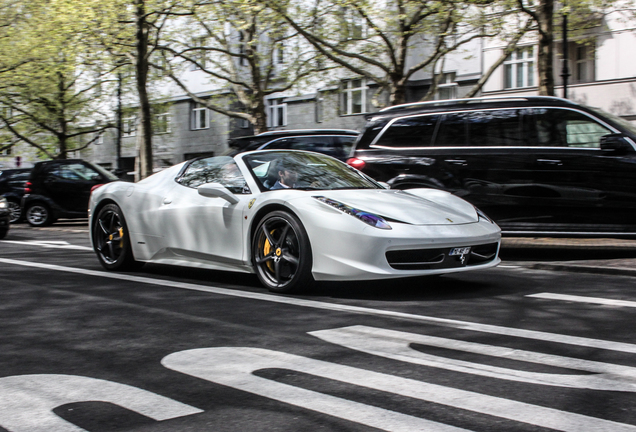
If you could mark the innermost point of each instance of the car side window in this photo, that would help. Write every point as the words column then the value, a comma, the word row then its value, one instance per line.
column 567, row 128
column 75, row 172
column 417, row 131
column 495, row 128
column 218, row 169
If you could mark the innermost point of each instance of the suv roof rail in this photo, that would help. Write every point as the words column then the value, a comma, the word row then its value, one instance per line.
column 293, row 131
column 471, row 100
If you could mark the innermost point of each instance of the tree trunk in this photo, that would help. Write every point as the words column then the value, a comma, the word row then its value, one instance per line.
column 144, row 132
column 545, row 55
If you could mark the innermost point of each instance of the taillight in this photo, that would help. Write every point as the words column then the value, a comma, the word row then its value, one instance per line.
column 97, row 186
column 27, row 187
column 356, row 163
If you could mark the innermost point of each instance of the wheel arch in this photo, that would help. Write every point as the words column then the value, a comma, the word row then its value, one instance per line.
column 260, row 214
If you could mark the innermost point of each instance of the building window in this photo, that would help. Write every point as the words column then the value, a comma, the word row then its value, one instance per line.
column 161, row 123
column 129, row 125
column 320, row 114
column 200, row 117
column 447, row 87
column 583, row 64
column 519, row 68
column 353, row 97
column 276, row 113
column 352, row 25
column 244, row 123
column 198, row 55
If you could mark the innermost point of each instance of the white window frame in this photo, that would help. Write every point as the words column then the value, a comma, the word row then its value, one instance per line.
column 354, row 24
column 520, row 68
column 200, row 121
column 129, row 126
column 585, row 62
column 276, row 113
column 447, row 84
column 348, row 91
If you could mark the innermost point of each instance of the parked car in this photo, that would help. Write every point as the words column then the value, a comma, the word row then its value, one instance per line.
column 332, row 142
column 536, row 165
column 330, row 223
column 12, row 183
column 61, row 189
column 5, row 217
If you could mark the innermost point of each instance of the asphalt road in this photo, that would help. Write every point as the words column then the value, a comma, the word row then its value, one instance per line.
column 177, row 349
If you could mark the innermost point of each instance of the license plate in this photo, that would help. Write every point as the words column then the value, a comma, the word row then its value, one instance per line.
column 459, row 251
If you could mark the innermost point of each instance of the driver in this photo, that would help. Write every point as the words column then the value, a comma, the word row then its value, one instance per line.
column 287, row 177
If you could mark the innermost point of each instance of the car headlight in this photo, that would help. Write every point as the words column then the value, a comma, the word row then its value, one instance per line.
column 482, row 215
column 4, row 203
column 368, row 218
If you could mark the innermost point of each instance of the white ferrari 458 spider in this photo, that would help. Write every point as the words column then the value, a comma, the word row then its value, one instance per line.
column 289, row 216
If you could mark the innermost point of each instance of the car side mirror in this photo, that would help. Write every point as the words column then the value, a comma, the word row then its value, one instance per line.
column 615, row 143
column 217, row 190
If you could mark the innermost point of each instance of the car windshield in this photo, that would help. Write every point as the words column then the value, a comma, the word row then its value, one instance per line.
column 302, row 170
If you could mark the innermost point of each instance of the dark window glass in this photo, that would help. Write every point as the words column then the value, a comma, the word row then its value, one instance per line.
column 452, row 130
column 495, row 128
column 566, row 128
column 75, row 172
column 410, row 132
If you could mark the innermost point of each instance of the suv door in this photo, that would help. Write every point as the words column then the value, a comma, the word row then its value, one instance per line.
column 582, row 184
column 69, row 184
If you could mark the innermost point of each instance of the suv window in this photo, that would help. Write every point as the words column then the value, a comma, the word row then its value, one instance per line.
column 417, row 131
column 496, row 128
column 567, row 128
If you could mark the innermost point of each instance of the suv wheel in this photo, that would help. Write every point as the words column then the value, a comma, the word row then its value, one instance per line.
column 16, row 211
column 38, row 215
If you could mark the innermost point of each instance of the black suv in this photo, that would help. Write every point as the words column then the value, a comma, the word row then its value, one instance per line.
column 12, row 188
column 332, row 142
column 61, row 189
column 536, row 165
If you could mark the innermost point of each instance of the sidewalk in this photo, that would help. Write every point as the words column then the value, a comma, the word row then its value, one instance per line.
column 596, row 255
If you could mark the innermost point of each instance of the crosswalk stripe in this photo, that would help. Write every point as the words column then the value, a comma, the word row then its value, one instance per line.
column 582, row 299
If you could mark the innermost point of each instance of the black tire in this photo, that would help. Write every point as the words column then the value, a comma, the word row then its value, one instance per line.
column 38, row 215
column 3, row 232
column 281, row 253
column 111, row 240
column 16, row 211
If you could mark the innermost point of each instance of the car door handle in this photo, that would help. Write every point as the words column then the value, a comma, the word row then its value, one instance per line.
column 550, row 162
column 167, row 200
column 460, row 162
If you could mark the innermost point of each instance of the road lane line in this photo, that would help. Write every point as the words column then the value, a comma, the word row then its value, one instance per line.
column 582, row 299
column 396, row 345
column 48, row 244
column 464, row 325
column 235, row 366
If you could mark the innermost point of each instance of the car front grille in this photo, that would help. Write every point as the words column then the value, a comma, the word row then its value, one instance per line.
column 432, row 259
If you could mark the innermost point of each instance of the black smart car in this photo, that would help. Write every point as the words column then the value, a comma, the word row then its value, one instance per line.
column 61, row 189
column 536, row 165
column 332, row 142
column 12, row 183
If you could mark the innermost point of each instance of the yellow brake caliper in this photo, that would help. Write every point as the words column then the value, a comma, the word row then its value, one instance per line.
column 266, row 248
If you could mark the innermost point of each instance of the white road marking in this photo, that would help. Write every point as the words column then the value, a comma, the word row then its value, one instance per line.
column 234, row 367
column 396, row 345
column 465, row 325
column 55, row 244
column 582, row 299
column 27, row 401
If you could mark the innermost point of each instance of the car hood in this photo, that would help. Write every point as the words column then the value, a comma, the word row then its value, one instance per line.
column 416, row 207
